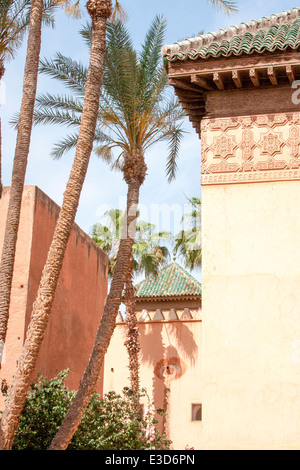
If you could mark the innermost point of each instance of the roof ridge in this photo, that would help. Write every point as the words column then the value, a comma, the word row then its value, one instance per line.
column 168, row 282
column 190, row 276
column 154, row 275
column 228, row 33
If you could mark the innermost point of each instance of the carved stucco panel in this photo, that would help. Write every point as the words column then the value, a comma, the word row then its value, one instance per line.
column 250, row 148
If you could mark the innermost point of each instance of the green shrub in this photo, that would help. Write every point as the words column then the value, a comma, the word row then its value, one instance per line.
column 114, row 422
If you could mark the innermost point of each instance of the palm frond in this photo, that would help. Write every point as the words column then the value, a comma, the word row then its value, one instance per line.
column 64, row 102
column 118, row 13
column 14, row 22
column 66, row 144
column 225, row 5
column 86, row 33
column 150, row 56
column 136, row 110
column 175, row 136
column 188, row 242
column 50, row 116
column 105, row 153
column 14, row 121
column 48, row 13
column 66, row 70
column 71, row 7
column 120, row 77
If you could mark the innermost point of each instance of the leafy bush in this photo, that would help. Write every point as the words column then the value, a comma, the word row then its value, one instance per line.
column 114, row 422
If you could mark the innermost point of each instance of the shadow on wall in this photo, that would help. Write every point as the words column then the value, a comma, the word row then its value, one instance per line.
column 169, row 349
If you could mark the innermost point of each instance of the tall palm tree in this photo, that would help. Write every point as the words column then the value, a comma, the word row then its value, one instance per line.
column 23, row 136
column 149, row 255
column 99, row 10
column 188, row 241
column 134, row 169
column 135, row 112
column 14, row 22
column 133, row 130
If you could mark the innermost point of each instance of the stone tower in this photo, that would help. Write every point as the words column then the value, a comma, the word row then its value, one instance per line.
column 239, row 87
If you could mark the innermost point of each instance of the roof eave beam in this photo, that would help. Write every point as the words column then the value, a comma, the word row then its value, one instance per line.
column 201, row 82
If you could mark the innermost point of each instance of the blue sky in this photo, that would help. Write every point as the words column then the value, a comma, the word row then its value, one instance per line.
column 103, row 188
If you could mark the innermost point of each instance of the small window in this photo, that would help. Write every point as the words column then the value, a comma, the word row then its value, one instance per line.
column 197, row 412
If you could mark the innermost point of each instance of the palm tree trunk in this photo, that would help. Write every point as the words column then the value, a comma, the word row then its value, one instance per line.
column 20, row 164
column 1, row 187
column 107, row 324
column 48, row 284
column 132, row 342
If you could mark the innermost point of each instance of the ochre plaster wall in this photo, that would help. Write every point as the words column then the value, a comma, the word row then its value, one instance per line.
column 158, row 341
column 80, row 295
column 251, row 322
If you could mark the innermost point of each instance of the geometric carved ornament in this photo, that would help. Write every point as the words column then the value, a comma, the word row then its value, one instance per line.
column 250, row 148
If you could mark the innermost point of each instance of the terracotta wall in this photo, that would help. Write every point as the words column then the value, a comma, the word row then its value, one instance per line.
column 80, row 295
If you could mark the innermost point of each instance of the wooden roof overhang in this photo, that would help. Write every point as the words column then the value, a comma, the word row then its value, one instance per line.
column 167, row 298
column 195, row 80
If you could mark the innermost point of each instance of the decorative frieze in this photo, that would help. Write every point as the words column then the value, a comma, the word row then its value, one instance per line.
column 254, row 148
column 166, row 315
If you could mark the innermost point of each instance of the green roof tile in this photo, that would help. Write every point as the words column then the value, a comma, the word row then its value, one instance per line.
column 172, row 281
column 264, row 37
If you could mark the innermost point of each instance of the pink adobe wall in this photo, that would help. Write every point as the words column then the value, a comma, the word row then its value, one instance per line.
column 20, row 282
column 163, row 340
column 80, row 295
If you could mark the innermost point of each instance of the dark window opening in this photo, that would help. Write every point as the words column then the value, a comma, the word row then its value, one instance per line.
column 197, row 412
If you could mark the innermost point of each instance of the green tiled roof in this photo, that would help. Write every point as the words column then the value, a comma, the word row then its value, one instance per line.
column 172, row 281
column 259, row 36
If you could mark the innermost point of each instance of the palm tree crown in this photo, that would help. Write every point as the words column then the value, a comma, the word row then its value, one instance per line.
column 188, row 242
column 150, row 251
column 14, row 22
column 136, row 110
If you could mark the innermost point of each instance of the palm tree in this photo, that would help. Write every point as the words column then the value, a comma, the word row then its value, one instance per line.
column 135, row 112
column 9, row 43
column 188, row 240
column 135, row 132
column 150, row 252
column 134, row 169
column 14, row 22
column 107, row 236
column 99, row 11
column 149, row 255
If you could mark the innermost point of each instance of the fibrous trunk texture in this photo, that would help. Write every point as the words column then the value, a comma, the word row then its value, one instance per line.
column 167, row 401
column 50, row 275
column 132, row 342
column 106, row 327
column 1, row 187
column 1, row 75
column 134, row 174
column 20, row 164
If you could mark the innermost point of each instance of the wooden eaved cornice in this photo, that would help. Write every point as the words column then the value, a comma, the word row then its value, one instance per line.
column 193, row 81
